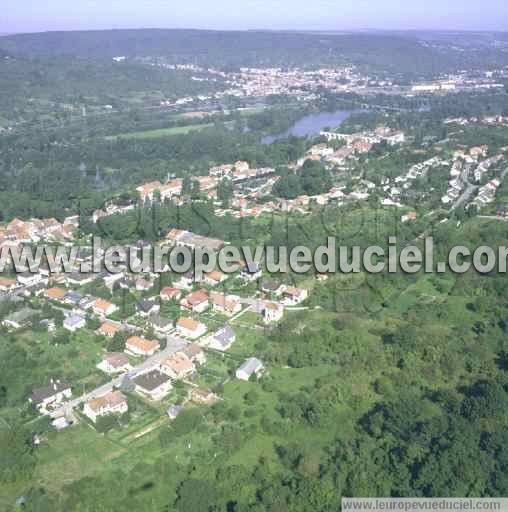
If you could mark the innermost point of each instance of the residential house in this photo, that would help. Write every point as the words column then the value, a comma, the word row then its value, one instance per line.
column 143, row 285
column 222, row 339
column 48, row 324
column 35, row 289
column 86, row 303
column 56, row 294
column 154, row 384
column 202, row 396
column 214, row 278
column 160, row 325
column 111, row 403
column 178, row 366
column 60, row 423
column 206, row 182
column 80, row 278
column 7, row 284
column 19, row 319
column 294, row 296
column 72, row 298
column 50, row 396
column 320, row 150
column 29, row 278
column 272, row 287
column 138, row 346
column 108, row 329
column 478, row 151
column 103, row 307
column 408, row 217
column 227, row 305
column 221, row 170
column 251, row 273
column 116, row 362
column 194, row 352
column 250, row 367
column 241, row 166
column 168, row 293
column 147, row 307
column 197, row 301
column 111, row 280
column 174, row 410
column 189, row 328
column 74, row 322
column 272, row 312
column 502, row 210
column 186, row 281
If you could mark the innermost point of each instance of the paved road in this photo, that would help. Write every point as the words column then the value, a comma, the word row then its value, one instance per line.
column 469, row 190
column 173, row 345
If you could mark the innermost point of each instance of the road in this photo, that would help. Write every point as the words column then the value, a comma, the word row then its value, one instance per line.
column 469, row 190
column 173, row 345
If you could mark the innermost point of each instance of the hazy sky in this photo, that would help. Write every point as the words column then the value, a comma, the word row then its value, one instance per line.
column 40, row 15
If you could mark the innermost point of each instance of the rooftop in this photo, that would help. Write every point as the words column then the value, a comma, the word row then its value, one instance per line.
column 142, row 343
column 40, row 394
column 188, row 323
column 151, row 380
column 110, row 400
column 251, row 366
column 117, row 359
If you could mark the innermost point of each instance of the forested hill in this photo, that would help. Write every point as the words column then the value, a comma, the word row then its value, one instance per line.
column 379, row 52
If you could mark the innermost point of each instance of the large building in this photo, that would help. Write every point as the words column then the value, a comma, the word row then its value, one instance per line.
column 183, row 238
column 167, row 190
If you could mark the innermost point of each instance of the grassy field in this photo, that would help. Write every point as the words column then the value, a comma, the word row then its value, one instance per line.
column 73, row 454
column 160, row 133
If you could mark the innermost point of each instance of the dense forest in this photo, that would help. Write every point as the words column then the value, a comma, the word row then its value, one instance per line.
column 399, row 53
column 45, row 82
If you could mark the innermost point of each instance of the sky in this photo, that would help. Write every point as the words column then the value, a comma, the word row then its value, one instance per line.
column 43, row 15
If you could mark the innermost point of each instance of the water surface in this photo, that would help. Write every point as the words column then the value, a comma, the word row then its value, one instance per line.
column 311, row 125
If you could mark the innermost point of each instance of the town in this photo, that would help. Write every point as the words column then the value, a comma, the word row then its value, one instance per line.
column 203, row 303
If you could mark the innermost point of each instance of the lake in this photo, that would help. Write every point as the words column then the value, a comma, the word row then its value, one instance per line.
column 311, row 125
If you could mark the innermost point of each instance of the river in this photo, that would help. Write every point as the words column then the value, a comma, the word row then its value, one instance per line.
column 311, row 125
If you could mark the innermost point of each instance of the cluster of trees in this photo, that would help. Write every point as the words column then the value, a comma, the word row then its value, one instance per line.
column 46, row 174
column 311, row 180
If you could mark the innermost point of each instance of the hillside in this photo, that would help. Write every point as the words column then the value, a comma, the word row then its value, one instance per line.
column 400, row 53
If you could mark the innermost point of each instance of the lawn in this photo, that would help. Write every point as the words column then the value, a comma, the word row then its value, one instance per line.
column 159, row 133
column 73, row 454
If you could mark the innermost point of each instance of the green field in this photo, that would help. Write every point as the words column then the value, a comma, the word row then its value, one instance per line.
column 161, row 132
